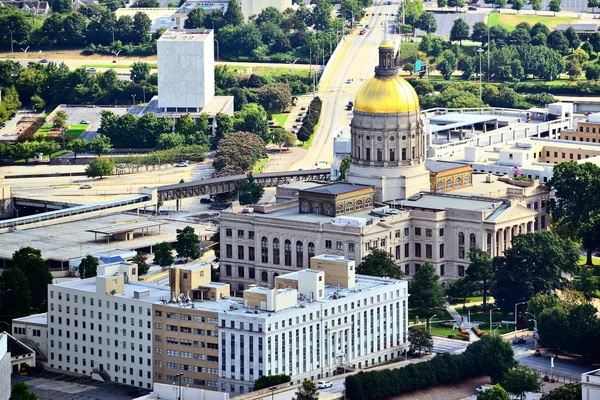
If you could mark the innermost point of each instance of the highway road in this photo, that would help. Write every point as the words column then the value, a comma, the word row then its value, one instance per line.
column 356, row 60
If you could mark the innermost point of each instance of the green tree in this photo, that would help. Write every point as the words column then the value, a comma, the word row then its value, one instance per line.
column 593, row 4
column 14, row 293
column 233, row 15
column 521, row 379
column 147, row 3
column 540, row 302
column 61, row 6
column 163, row 254
column 518, row 5
column 321, row 15
column 575, row 201
column 379, row 263
column 554, row 5
column 344, row 167
column 497, row 357
column 442, row 3
column 37, row 102
column 496, row 392
column 78, row 146
column 30, row 261
column 20, row 391
column 552, row 325
column 592, row 72
column 187, row 243
column 460, row 31
column 100, row 144
column 534, row 264
column 88, row 267
column 307, row 391
column 463, row 288
column 141, row 260
column 100, row 167
column 266, row 381
column 536, row 5
column 426, row 292
column 224, row 126
column 238, row 152
column 412, row 12
column 250, row 192
column 195, row 18
column 448, row 65
column 481, row 270
column 586, row 283
column 283, row 137
column 427, row 22
column 570, row 391
column 573, row 38
column 252, row 118
column 419, row 339
column 479, row 33
column 139, row 71
column 275, row 97
column 60, row 120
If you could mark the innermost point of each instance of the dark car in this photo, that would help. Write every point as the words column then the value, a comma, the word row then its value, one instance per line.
column 206, row 201
column 519, row 341
column 471, row 8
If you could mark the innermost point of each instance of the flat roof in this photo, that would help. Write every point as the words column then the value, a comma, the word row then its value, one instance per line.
column 126, row 227
column 218, row 104
column 448, row 121
column 444, row 201
column 364, row 284
column 71, row 240
column 185, row 35
column 336, row 188
column 438, row 166
column 40, row 319
column 156, row 292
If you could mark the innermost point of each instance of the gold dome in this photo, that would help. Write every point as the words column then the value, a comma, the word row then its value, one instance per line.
column 386, row 43
column 386, row 96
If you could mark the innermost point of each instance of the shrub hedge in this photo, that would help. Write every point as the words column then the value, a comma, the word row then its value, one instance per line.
column 310, row 120
column 29, row 133
column 442, row 369
column 271, row 380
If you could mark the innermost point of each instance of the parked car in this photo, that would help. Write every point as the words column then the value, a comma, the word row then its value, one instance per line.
column 85, row 122
column 91, row 69
column 2, row 125
column 519, row 341
column 205, row 201
column 324, row 384
column 43, row 61
column 362, row 32
column 181, row 164
column 85, row 187
column 482, row 388
column 471, row 8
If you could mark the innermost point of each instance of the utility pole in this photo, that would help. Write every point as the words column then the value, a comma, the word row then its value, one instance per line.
column 480, row 93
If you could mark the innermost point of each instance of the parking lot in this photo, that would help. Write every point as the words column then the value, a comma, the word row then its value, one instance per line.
column 446, row 21
column 91, row 114
column 54, row 386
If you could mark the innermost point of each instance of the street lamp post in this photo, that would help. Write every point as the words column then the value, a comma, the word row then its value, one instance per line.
column 534, row 327
column 430, row 319
column 25, row 49
column 480, row 98
column 133, row 96
column 493, row 309
column 516, row 305
column 272, row 389
column 116, row 53
column 12, row 50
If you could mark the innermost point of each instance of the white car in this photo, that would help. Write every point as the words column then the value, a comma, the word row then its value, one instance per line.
column 324, row 384
column 482, row 388
column 84, row 122
column 181, row 164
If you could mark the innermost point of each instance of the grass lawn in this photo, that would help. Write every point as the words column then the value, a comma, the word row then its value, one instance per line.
column 260, row 165
column 441, row 315
column 437, row 329
column 75, row 130
column 44, row 130
column 59, row 153
column 583, row 259
column 120, row 64
column 408, row 52
column 272, row 71
column 281, row 118
column 509, row 21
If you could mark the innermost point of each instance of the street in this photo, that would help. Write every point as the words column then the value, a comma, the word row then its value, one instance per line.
column 356, row 61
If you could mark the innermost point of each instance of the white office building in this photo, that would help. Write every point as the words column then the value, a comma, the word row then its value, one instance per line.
column 5, row 368
column 102, row 327
column 33, row 332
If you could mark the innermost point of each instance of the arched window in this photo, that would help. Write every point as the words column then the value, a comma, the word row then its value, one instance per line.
column 458, row 182
column 472, row 241
column 340, row 209
column 461, row 245
column 311, row 250
column 276, row 251
column 328, row 209
column 368, row 203
column 359, row 204
column 264, row 249
column 287, row 253
column 449, row 184
column 317, row 208
column 349, row 206
column 299, row 254
column 467, row 179
column 440, row 187
column 264, row 276
column 305, row 207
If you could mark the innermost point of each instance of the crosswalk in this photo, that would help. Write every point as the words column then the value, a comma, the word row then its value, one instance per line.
column 447, row 346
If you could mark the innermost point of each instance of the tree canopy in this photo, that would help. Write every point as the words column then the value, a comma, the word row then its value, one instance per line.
column 187, row 243
column 163, row 254
column 379, row 263
column 88, row 267
column 426, row 292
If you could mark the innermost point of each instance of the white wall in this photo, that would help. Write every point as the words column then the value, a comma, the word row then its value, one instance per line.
column 5, row 368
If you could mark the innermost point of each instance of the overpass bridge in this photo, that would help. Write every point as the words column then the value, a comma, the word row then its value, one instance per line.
column 228, row 184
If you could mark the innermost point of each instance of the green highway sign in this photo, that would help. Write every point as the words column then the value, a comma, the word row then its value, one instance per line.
column 417, row 65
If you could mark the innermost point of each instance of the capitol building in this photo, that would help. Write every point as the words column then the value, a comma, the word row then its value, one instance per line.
column 394, row 199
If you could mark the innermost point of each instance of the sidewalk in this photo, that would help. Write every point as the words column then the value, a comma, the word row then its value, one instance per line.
column 459, row 320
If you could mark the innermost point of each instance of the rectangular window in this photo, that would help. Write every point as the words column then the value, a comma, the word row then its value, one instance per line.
column 240, row 233
column 428, row 251
column 251, row 273
column 428, row 232
column 251, row 235
column 461, row 270
column 328, row 244
column 418, row 231
column 392, row 155
column 240, row 252
column 442, row 270
column 379, row 155
column 228, row 232
column 417, row 249
column 368, row 155
column 228, row 270
column 250, row 253
column 406, row 250
column 240, row 272
column 398, row 252
column 228, row 251
column 339, row 245
column 442, row 250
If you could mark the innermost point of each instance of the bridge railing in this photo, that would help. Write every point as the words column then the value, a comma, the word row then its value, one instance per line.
column 51, row 215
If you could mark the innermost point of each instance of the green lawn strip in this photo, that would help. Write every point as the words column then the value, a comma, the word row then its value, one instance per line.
column 260, row 165
column 59, row 153
column 437, row 329
column 306, row 145
column 583, row 260
column 509, row 21
column 281, row 118
column 75, row 130
column 120, row 64
column 44, row 130
column 441, row 315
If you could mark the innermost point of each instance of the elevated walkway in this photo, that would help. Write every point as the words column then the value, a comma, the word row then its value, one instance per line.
column 78, row 212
